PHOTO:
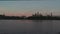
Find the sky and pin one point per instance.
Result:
(27, 8)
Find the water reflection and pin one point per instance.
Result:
(37, 26)
(50, 27)
(29, 27)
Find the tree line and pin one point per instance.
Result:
(36, 16)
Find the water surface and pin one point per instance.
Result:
(29, 26)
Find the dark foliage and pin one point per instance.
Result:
(33, 17)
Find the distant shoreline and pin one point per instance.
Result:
(36, 16)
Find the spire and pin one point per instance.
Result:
(37, 13)
(51, 13)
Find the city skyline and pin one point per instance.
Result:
(27, 8)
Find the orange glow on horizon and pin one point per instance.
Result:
(18, 14)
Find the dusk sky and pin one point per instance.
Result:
(18, 8)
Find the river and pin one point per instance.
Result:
(29, 26)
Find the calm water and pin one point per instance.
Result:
(29, 26)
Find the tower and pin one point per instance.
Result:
(51, 13)
(37, 13)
